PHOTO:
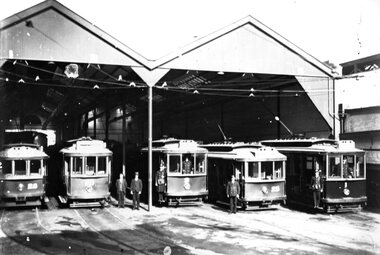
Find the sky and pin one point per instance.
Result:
(334, 30)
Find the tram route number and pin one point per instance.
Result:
(275, 189)
(32, 185)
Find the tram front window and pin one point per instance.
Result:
(5, 167)
(360, 167)
(90, 165)
(20, 167)
(35, 166)
(174, 163)
(334, 167)
(278, 170)
(102, 165)
(77, 165)
(200, 168)
(266, 170)
(253, 170)
(187, 164)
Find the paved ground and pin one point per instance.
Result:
(205, 229)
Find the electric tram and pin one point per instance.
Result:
(185, 166)
(86, 173)
(342, 166)
(22, 175)
(260, 171)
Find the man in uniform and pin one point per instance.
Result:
(187, 166)
(160, 182)
(233, 191)
(121, 188)
(136, 188)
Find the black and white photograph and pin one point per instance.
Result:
(209, 127)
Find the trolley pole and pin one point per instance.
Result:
(150, 127)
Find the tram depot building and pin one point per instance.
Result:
(61, 74)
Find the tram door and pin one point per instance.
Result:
(238, 172)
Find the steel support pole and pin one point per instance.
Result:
(123, 134)
(150, 128)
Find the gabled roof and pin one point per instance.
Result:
(179, 59)
(25, 20)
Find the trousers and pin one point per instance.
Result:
(136, 200)
(233, 204)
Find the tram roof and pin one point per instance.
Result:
(313, 145)
(176, 145)
(22, 151)
(243, 151)
(86, 146)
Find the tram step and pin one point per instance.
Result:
(85, 204)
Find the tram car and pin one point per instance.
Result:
(185, 166)
(260, 171)
(343, 172)
(86, 173)
(23, 171)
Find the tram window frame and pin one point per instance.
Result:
(337, 167)
(177, 167)
(281, 170)
(75, 165)
(191, 158)
(17, 167)
(6, 165)
(360, 167)
(32, 169)
(353, 166)
(200, 163)
(349, 173)
(101, 164)
(265, 177)
(87, 169)
(250, 167)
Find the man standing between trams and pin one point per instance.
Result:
(233, 191)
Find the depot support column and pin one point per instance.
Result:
(150, 128)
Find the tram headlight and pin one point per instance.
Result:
(346, 191)
(265, 190)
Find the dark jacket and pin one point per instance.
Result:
(233, 189)
(136, 185)
(123, 187)
(160, 181)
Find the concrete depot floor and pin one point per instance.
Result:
(205, 229)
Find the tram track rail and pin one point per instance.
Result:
(129, 236)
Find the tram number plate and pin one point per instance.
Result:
(275, 189)
(32, 185)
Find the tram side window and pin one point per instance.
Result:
(266, 170)
(77, 165)
(200, 168)
(20, 167)
(278, 170)
(253, 170)
(174, 163)
(334, 167)
(102, 165)
(187, 164)
(5, 167)
(35, 166)
(90, 165)
(360, 167)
